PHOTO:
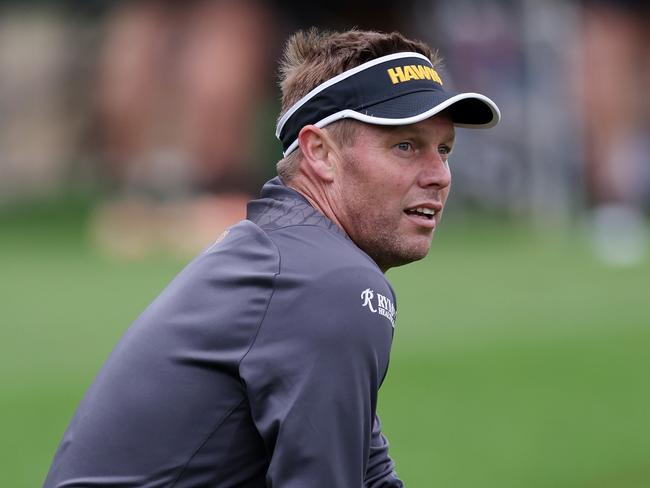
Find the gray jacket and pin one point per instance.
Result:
(257, 366)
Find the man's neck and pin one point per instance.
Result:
(316, 196)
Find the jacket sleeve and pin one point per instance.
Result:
(312, 377)
(381, 469)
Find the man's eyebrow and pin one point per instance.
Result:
(451, 137)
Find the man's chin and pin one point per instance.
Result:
(403, 256)
(419, 247)
(417, 255)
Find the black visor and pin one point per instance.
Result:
(397, 89)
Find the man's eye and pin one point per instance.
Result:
(404, 146)
(445, 150)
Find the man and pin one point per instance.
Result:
(259, 365)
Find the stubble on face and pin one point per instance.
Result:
(371, 226)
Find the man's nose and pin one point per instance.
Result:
(435, 172)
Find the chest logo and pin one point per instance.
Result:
(378, 303)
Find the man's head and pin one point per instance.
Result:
(312, 57)
(366, 128)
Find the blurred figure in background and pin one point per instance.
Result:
(37, 54)
(616, 108)
(178, 83)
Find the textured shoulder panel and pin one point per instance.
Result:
(283, 214)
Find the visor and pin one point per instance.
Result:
(397, 89)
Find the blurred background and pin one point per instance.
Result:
(132, 133)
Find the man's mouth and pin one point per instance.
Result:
(422, 212)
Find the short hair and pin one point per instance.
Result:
(313, 56)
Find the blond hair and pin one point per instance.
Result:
(314, 56)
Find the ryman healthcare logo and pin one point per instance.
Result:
(378, 303)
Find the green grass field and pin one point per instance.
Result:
(518, 361)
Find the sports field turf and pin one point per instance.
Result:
(518, 361)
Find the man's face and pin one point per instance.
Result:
(393, 184)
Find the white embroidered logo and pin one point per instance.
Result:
(382, 305)
(367, 296)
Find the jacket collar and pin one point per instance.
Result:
(282, 206)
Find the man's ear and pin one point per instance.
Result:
(319, 151)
